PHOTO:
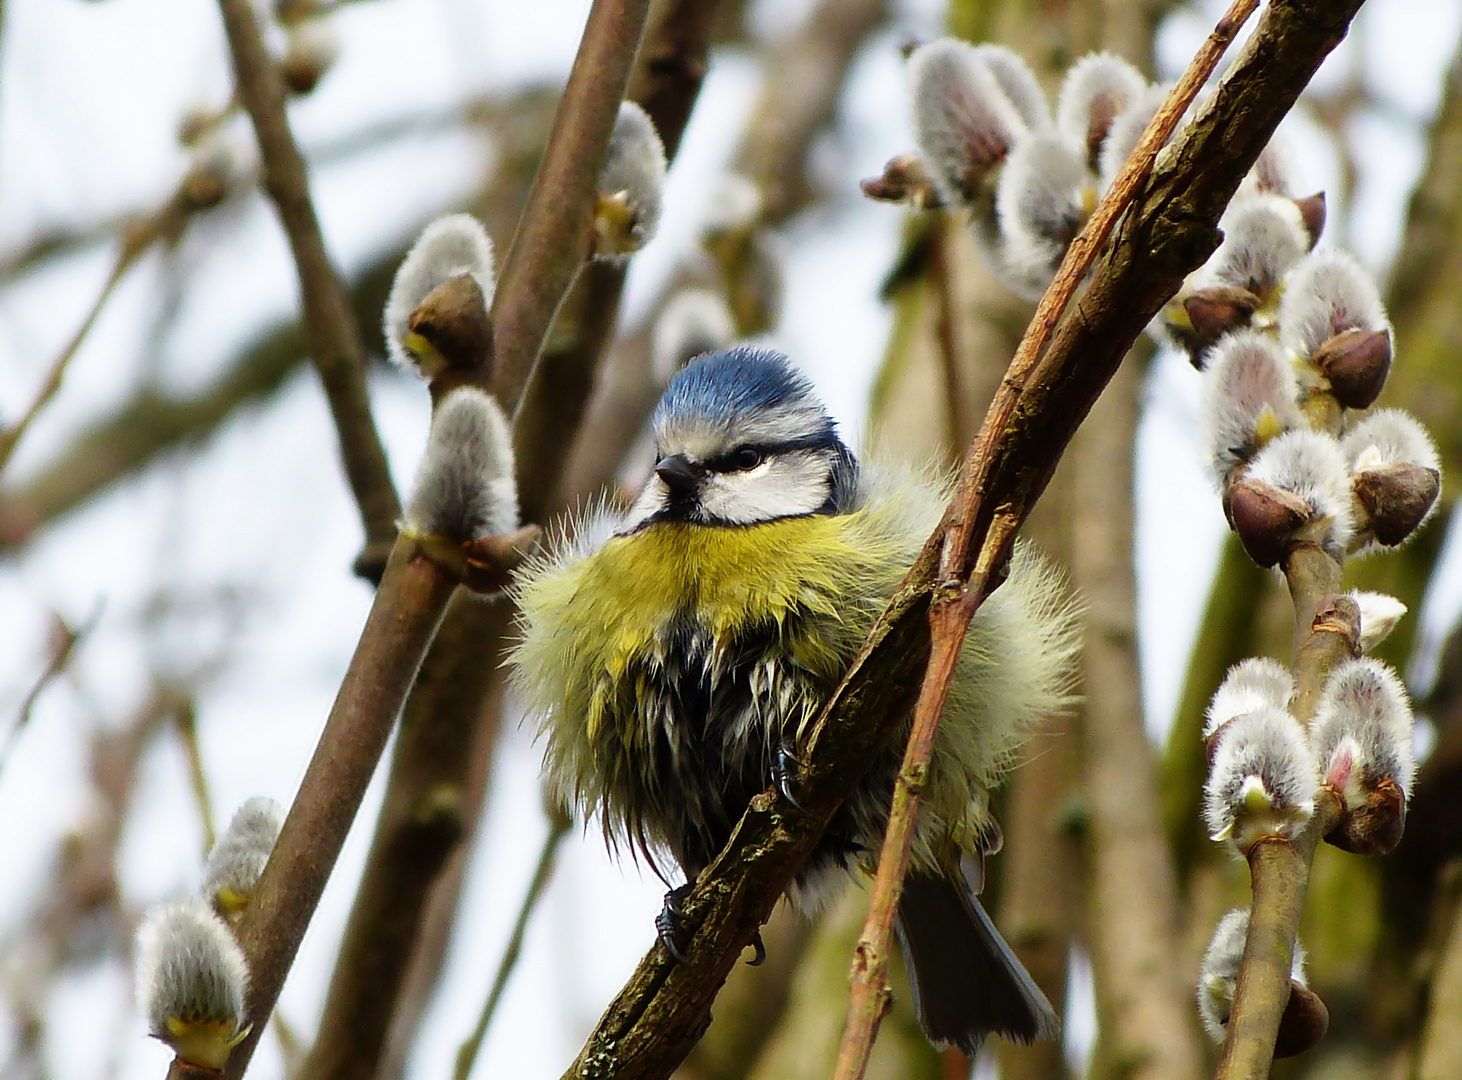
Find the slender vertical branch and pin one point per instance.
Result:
(965, 570)
(330, 330)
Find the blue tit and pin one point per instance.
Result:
(675, 654)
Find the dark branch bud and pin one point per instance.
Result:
(1397, 499)
(1355, 362)
(1266, 519)
(451, 328)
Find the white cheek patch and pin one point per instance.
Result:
(652, 500)
(786, 485)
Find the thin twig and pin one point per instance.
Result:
(185, 720)
(467, 1052)
(962, 584)
(64, 640)
(330, 329)
(1170, 231)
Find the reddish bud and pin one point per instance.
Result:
(1396, 498)
(1356, 363)
(1266, 518)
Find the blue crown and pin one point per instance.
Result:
(738, 383)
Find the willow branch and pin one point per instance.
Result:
(331, 333)
(1169, 231)
(965, 570)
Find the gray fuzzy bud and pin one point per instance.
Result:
(1044, 198)
(694, 321)
(449, 247)
(1098, 89)
(1255, 683)
(631, 186)
(964, 122)
(1219, 973)
(1362, 730)
(1389, 437)
(237, 860)
(465, 488)
(1328, 293)
(1017, 82)
(192, 981)
(1250, 397)
(1311, 466)
(1263, 780)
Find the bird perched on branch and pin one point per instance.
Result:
(675, 655)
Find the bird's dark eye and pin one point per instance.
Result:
(746, 458)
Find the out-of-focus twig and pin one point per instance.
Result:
(330, 328)
(64, 639)
(467, 1053)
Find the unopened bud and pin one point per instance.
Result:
(1250, 398)
(1355, 363)
(1255, 683)
(1263, 780)
(192, 981)
(964, 122)
(1097, 89)
(1044, 198)
(1305, 1017)
(312, 50)
(904, 180)
(237, 861)
(631, 186)
(1397, 476)
(451, 330)
(1327, 294)
(1362, 737)
(1263, 237)
(1312, 212)
(1266, 519)
(1379, 615)
(1206, 315)
(1017, 82)
(465, 488)
(1305, 464)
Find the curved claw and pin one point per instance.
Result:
(760, 948)
(667, 923)
(784, 773)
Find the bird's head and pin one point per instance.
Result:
(741, 438)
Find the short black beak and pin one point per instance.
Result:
(679, 475)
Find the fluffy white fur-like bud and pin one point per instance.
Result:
(1098, 88)
(1126, 129)
(465, 488)
(964, 122)
(1379, 615)
(1255, 683)
(631, 185)
(694, 321)
(1264, 236)
(1328, 293)
(1017, 82)
(1310, 465)
(1362, 730)
(1219, 972)
(1263, 780)
(1044, 197)
(1250, 398)
(191, 982)
(1389, 437)
(449, 247)
(237, 860)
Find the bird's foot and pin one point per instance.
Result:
(667, 923)
(785, 766)
(760, 956)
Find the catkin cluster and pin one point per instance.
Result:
(192, 978)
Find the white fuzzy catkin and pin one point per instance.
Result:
(1310, 464)
(1326, 293)
(633, 177)
(1219, 972)
(1250, 396)
(465, 487)
(694, 321)
(1389, 437)
(1255, 683)
(237, 860)
(192, 981)
(964, 122)
(1361, 731)
(449, 247)
(1264, 236)
(1097, 89)
(1017, 82)
(1263, 780)
(1126, 130)
(1044, 196)
(1379, 615)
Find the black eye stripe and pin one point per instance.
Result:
(728, 462)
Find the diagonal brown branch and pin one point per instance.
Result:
(331, 333)
(1169, 231)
